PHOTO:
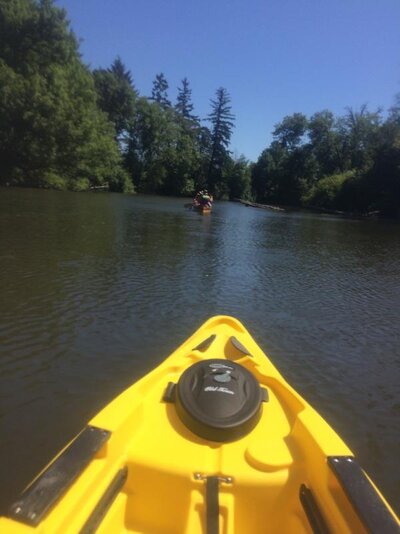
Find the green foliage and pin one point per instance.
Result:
(325, 193)
(349, 163)
(116, 96)
(239, 179)
(159, 92)
(150, 137)
(153, 156)
(51, 180)
(65, 127)
(289, 133)
(184, 106)
(52, 133)
(382, 181)
(80, 184)
(120, 181)
(222, 122)
(327, 145)
(168, 152)
(360, 130)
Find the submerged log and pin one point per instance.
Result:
(99, 187)
(256, 205)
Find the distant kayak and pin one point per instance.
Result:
(203, 201)
(199, 208)
(203, 209)
(212, 441)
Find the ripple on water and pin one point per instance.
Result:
(87, 310)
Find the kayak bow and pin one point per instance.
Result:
(214, 441)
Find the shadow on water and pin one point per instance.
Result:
(97, 289)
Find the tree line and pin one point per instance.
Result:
(65, 126)
(349, 163)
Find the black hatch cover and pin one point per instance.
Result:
(219, 400)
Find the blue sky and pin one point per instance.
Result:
(275, 57)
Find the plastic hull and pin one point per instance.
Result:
(150, 473)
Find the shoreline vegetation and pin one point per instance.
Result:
(67, 127)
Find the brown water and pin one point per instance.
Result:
(96, 289)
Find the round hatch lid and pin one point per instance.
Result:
(218, 400)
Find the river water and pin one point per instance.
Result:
(96, 289)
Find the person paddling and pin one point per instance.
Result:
(206, 199)
(197, 198)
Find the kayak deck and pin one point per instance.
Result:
(151, 474)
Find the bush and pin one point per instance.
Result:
(121, 182)
(328, 192)
(80, 184)
(51, 180)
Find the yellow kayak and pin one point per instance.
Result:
(202, 208)
(212, 441)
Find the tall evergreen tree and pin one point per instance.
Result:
(159, 92)
(222, 121)
(184, 105)
(119, 70)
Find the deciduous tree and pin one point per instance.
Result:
(116, 95)
(52, 133)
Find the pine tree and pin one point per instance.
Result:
(120, 72)
(222, 121)
(159, 92)
(184, 106)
